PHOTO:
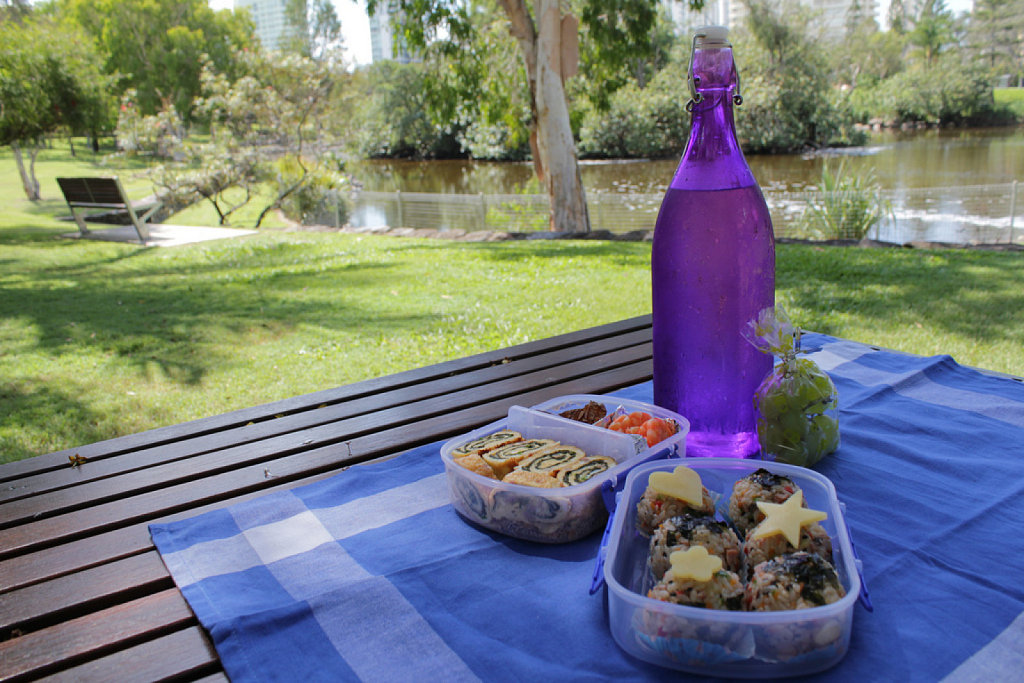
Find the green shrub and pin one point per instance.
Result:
(160, 135)
(322, 197)
(640, 122)
(947, 92)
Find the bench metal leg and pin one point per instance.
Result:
(80, 221)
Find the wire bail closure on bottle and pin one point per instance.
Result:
(693, 81)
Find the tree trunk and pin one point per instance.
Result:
(28, 176)
(553, 146)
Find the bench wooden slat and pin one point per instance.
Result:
(102, 193)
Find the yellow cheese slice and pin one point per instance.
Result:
(786, 518)
(694, 563)
(682, 482)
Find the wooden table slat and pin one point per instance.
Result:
(111, 546)
(180, 656)
(178, 470)
(43, 604)
(125, 510)
(55, 648)
(83, 593)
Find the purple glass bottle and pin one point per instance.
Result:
(713, 269)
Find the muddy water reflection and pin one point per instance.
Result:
(910, 167)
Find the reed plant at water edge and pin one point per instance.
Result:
(845, 205)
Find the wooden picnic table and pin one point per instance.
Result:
(83, 592)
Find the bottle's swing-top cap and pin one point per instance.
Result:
(711, 36)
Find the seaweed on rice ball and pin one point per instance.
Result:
(813, 539)
(760, 485)
(794, 581)
(680, 533)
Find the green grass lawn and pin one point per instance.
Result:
(1012, 98)
(100, 339)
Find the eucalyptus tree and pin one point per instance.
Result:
(547, 34)
(315, 28)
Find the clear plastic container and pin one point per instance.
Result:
(717, 642)
(557, 515)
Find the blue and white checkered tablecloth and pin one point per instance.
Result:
(372, 575)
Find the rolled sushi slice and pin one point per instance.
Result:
(548, 460)
(537, 479)
(583, 470)
(813, 539)
(681, 533)
(794, 581)
(486, 443)
(760, 485)
(504, 459)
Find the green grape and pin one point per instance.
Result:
(793, 424)
(828, 427)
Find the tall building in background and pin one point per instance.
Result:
(269, 17)
(383, 44)
(833, 16)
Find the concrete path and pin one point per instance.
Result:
(160, 234)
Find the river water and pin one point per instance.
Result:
(950, 185)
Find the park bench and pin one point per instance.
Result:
(106, 193)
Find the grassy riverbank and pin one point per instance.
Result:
(99, 340)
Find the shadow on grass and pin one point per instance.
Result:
(179, 317)
(26, 408)
(973, 294)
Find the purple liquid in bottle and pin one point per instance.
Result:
(713, 270)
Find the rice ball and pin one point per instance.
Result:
(654, 508)
(723, 591)
(794, 581)
(680, 533)
(813, 539)
(760, 485)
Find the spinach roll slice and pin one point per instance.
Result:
(486, 443)
(582, 470)
(549, 460)
(504, 459)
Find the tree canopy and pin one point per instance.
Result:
(49, 80)
(156, 47)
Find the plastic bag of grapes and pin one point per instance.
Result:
(797, 404)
